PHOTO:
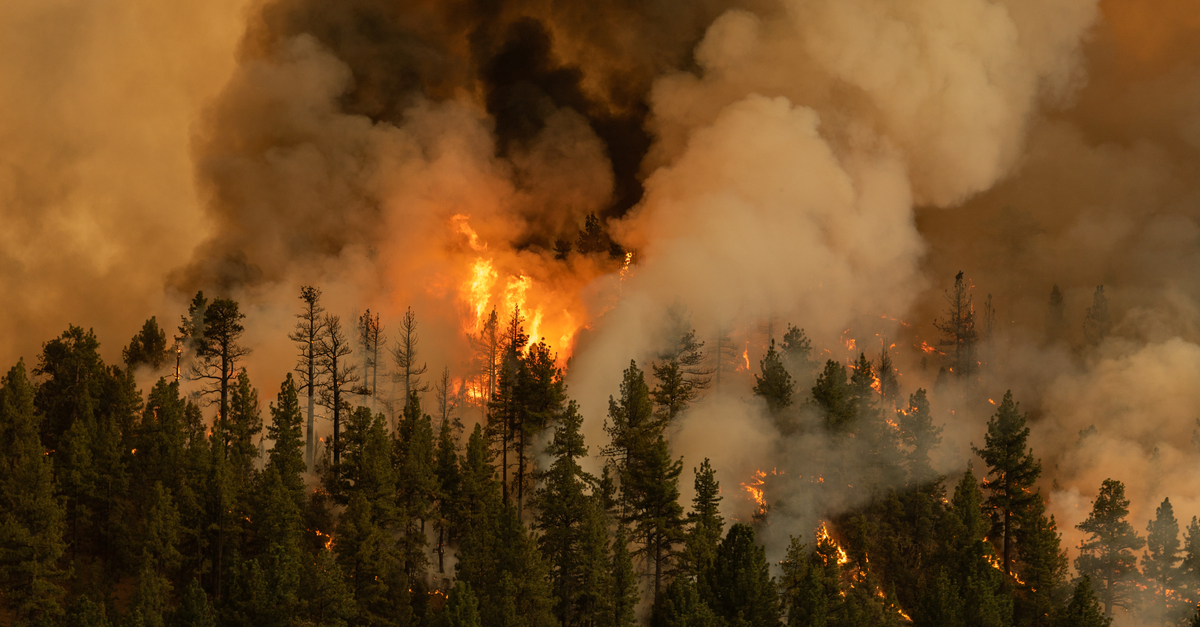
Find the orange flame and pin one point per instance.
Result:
(478, 289)
(926, 348)
(823, 536)
(625, 265)
(462, 226)
(754, 488)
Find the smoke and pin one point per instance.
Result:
(826, 163)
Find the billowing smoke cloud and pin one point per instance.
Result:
(827, 163)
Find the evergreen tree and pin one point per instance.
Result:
(833, 397)
(725, 357)
(505, 408)
(540, 397)
(1012, 471)
(1160, 562)
(449, 493)
(958, 327)
(242, 428)
(1083, 610)
(287, 455)
(705, 524)
(85, 613)
(1097, 324)
(797, 356)
(219, 350)
(591, 239)
(148, 605)
(325, 599)
(309, 323)
(1042, 564)
(417, 492)
(1107, 555)
(563, 507)
(681, 373)
(1056, 318)
(148, 347)
(681, 606)
(654, 511)
(31, 518)
(194, 609)
(742, 590)
(920, 436)
(775, 385)
(462, 609)
(1189, 565)
(623, 594)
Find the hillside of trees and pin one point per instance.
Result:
(121, 506)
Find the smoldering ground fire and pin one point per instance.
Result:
(754, 164)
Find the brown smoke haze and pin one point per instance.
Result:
(827, 163)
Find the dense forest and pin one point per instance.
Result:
(125, 507)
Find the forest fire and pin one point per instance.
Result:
(823, 536)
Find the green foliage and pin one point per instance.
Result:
(1160, 562)
(31, 518)
(194, 609)
(286, 456)
(833, 397)
(681, 606)
(1107, 555)
(148, 347)
(920, 436)
(705, 524)
(775, 384)
(1083, 610)
(740, 587)
(1012, 471)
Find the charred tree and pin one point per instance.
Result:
(958, 327)
(306, 334)
(370, 336)
(337, 374)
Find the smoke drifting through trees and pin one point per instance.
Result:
(332, 153)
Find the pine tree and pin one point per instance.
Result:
(31, 518)
(797, 356)
(540, 396)
(562, 506)
(681, 606)
(86, 613)
(1097, 324)
(219, 350)
(655, 513)
(148, 347)
(1042, 564)
(623, 589)
(833, 397)
(591, 239)
(1160, 562)
(743, 592)
(462, 608)
(889, 387)
(242, 428)
(278, 527)
(1107, 554)
(336, 374)
(417, 492)
(325, 599)
(1056, 319)
(919, 435)
(1012, 471)
(309, 323)
(958, 327)
(194, 609)
(287, 455)
(705, 524)
(775, 385)
(505, 408)
(1083, 610)
(681, 373)
(1189, 565)
(449, 492)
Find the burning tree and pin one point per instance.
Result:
(959, 328)
(404, 355)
